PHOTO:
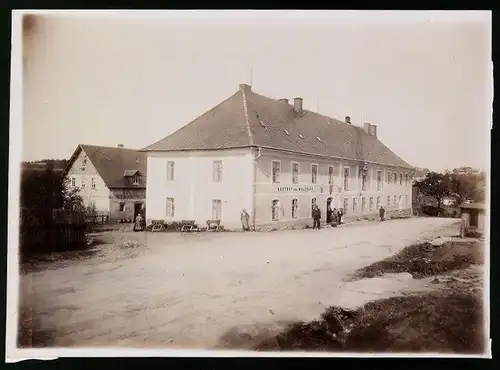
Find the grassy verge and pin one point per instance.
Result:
(445, 323)
(425, 259)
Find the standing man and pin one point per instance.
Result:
(340, 214)
(381, 213)
(316, 214)
(245, 220)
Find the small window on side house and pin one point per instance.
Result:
(73, 181)
(122, 206)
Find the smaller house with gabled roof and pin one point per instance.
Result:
(113, 179)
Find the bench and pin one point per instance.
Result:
(213, 225)
(158, 226)
(189, 226)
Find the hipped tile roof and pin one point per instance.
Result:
(248, 119)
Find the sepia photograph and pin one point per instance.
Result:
(249, 183)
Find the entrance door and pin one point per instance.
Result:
(473, 218)
(329, 212)
(137, 209)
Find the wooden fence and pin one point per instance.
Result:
(61, 230)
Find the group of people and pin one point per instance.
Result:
(336, 216)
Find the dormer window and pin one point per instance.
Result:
(136, 179)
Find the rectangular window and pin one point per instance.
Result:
(395, 201)
(371, 204)
(83, 183)
(346, 178)
(406, 179)
(346, 205)
(73, 182)
(389, 177)
(93, 183)
(136, 180)
(122, 207)
(217, 172)
(379, 180)
(295, 173)
(354, 204)
(170, 207)
(330, 175)
(276, 167)
(400, 200)
(378, 202)
(363, 204)
(275, 210)
(170, 170)
(295, 206)
(400, 179)
(406, 200)
(314, 173)
(388, 201)
(313, 203)
(216, 209)
(363, 180)
(395, 178)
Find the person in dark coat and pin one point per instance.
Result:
(340, 214)
(335, 217)
(381, 213)
(316, 214)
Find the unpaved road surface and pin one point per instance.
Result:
(191, 290)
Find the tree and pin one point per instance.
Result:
(435, 185)
(468, 187)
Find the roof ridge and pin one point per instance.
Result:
(245, 113)
(108, 147)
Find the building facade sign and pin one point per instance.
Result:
(294, 188)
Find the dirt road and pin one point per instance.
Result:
(190, 290)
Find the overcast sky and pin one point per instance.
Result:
(425, 80)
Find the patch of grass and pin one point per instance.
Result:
(425, 323)
(421, 260)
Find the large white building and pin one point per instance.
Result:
(274, 159)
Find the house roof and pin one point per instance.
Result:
(480, 206)
(112, 163)
(248, 119)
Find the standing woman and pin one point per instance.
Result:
(245, 220)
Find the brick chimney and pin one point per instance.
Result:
(284, 100)
(297, 105)
(373, 130)
(348, 119)
(366, 127)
